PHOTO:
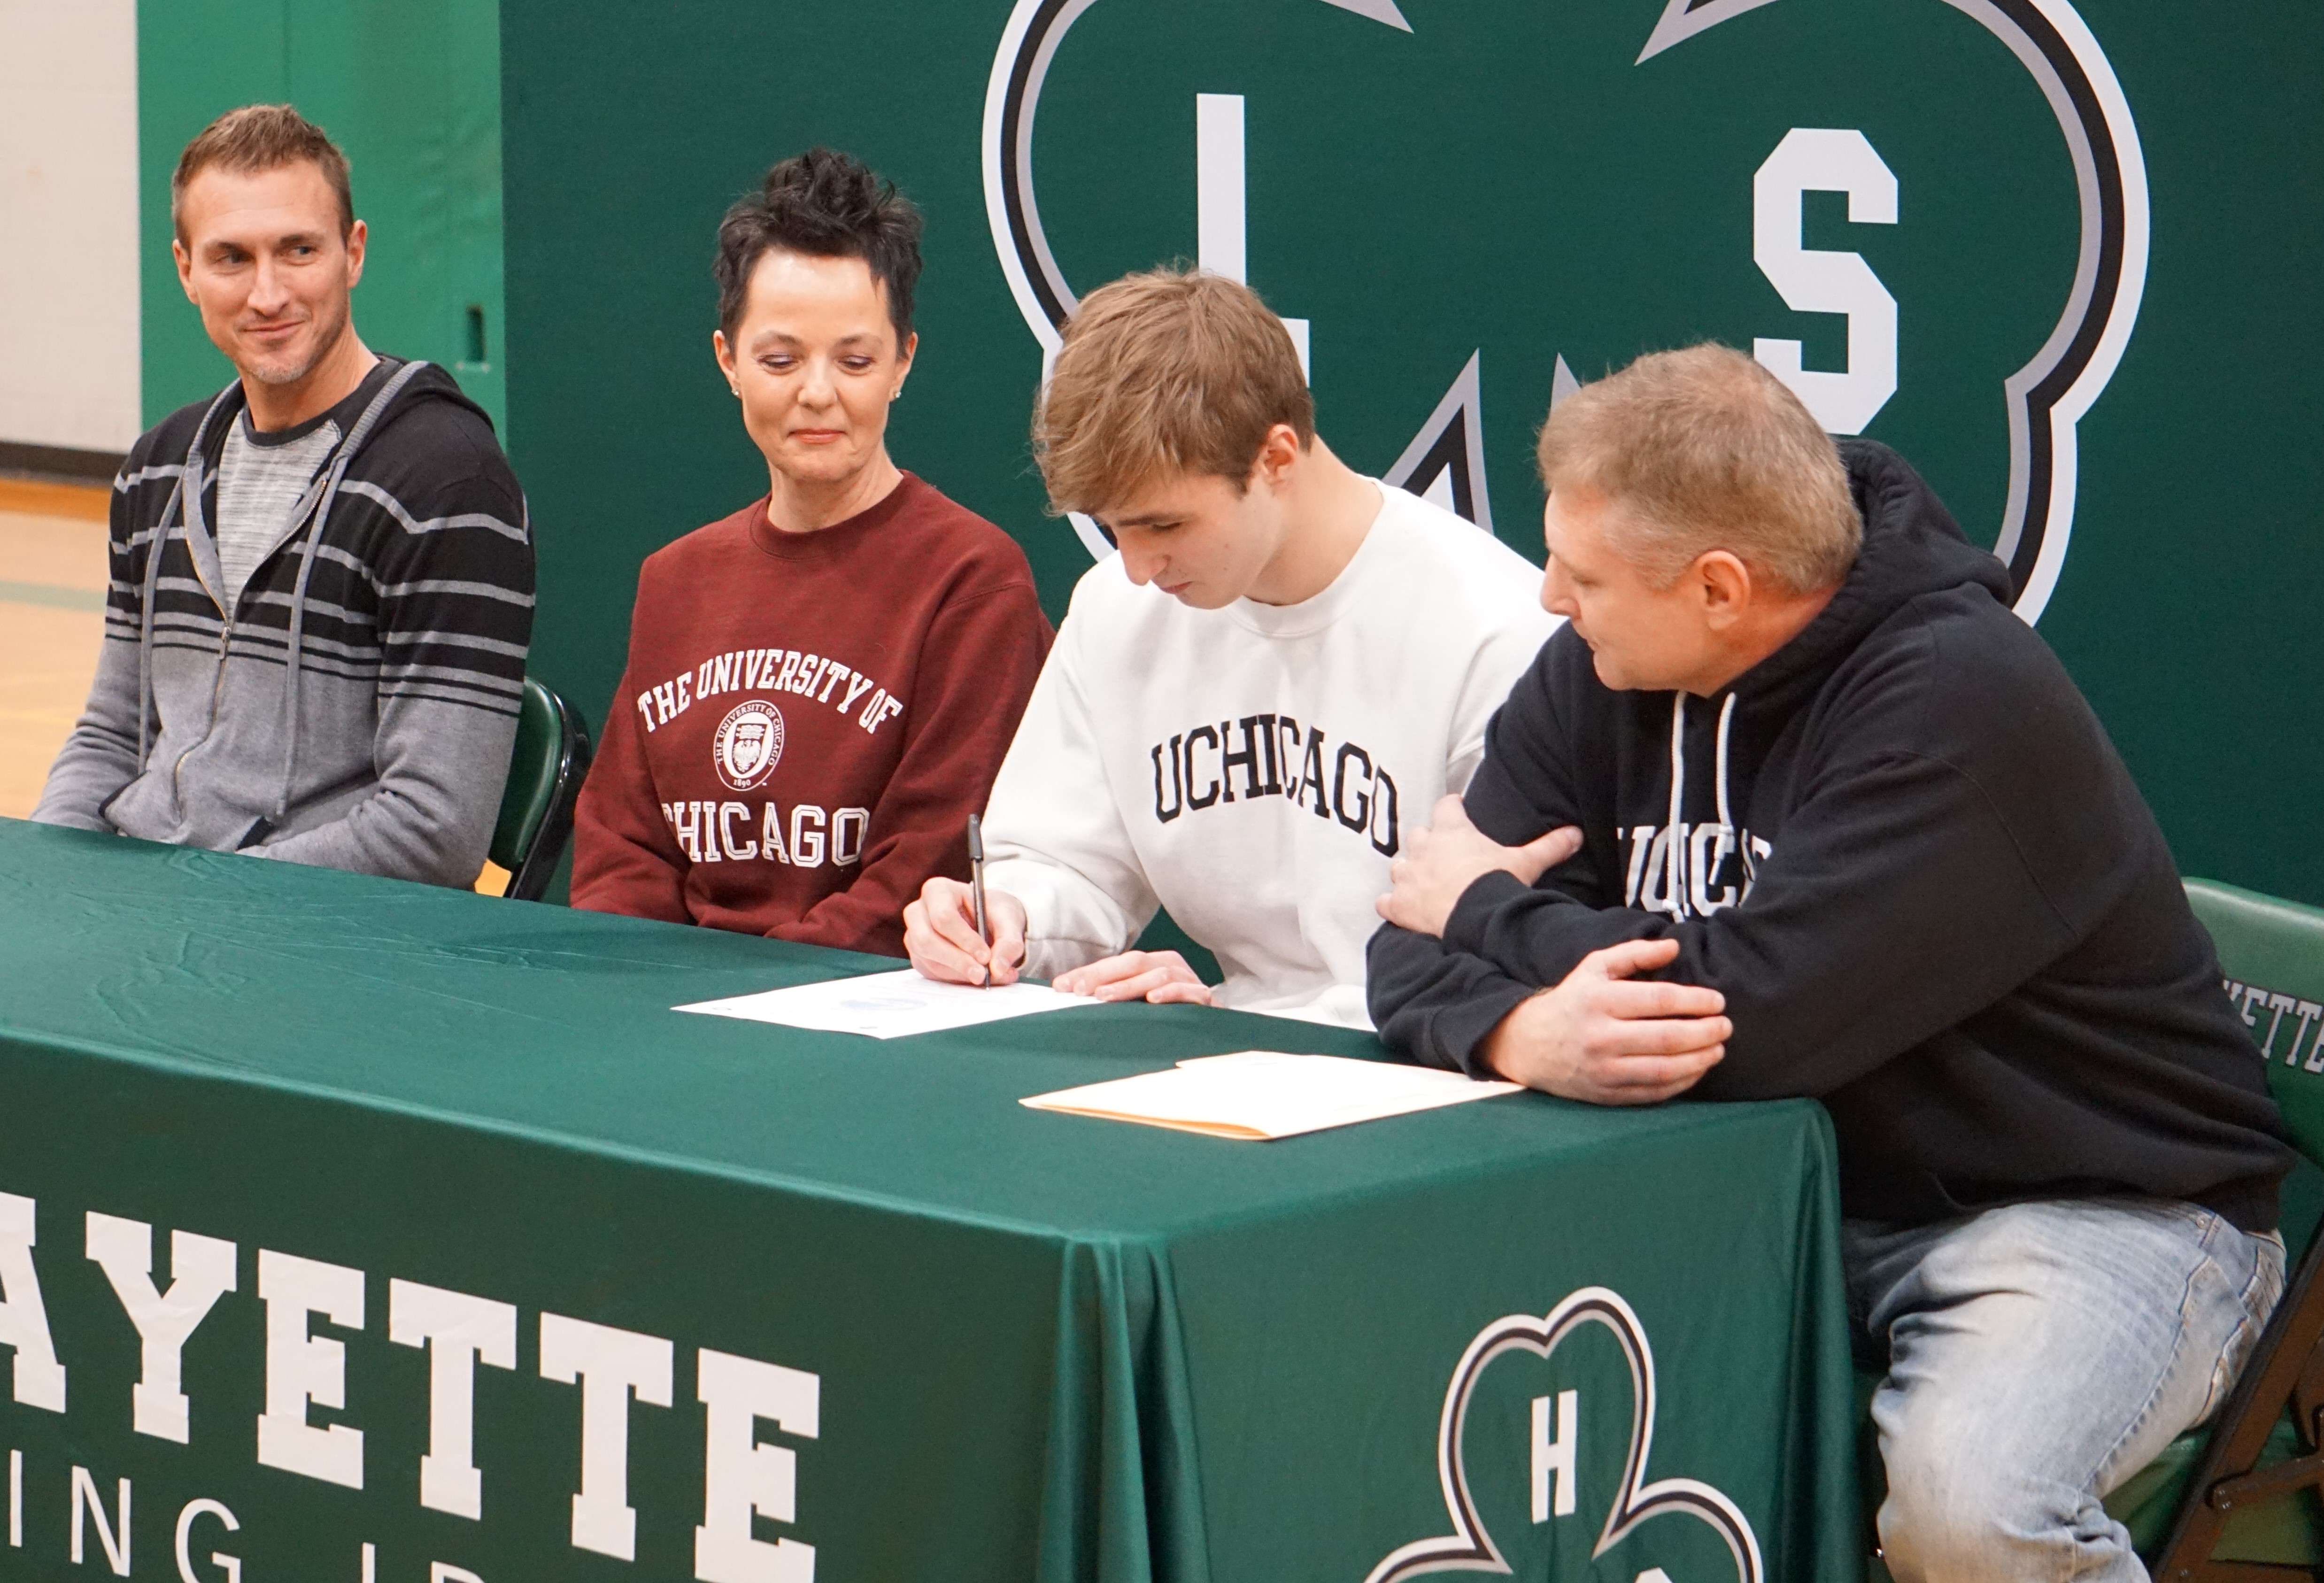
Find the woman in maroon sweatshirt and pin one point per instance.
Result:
(820, 687)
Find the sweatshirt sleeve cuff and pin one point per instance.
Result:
(1461, 1031)
(1465, 929)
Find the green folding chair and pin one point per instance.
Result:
(2237, 1500)
(546, 768)
(2243, 1498)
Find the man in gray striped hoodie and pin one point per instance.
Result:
(322, 578)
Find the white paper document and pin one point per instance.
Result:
(1267, 1094)
(889, 1006)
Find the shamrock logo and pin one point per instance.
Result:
(1469, 1548)
(1597, 320)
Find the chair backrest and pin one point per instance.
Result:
(2273, 953)
(545, 769)
(2272, 956)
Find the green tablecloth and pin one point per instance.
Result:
(1008, 1344)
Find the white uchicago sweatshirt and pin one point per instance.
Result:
(1253, 769)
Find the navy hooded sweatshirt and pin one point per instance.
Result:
(1904, 850)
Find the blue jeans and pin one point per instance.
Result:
(2039, 1354)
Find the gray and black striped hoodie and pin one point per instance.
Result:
(356, 708)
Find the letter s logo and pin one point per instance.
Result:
(1821, 159)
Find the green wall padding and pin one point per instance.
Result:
(411, 89)
(1510, 178)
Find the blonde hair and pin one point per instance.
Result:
(1703, 449)
(1171, 371)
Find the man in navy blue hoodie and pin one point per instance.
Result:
(1796, 805)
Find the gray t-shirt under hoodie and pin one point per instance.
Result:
(260, 480)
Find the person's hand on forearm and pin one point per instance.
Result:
(1602, 1036)
(940, 934)
(1441, 861)
(1161, 977)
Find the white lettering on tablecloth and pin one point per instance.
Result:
(314, 1312)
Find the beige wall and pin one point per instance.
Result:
(69, 332)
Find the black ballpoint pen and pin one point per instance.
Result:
(976, 886)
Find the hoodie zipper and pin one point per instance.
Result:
(217, 677)
(218, 683)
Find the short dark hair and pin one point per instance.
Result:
(824, 205)
(258, 138)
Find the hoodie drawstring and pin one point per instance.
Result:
(1728, 831)
(1674, 854)
(1726, 718)
(348, 449)
(1675, 857)
(184, 504)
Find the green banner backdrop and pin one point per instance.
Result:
(2053, 252)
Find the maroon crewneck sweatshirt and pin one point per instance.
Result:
(807, 721)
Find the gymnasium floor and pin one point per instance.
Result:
(51, 621)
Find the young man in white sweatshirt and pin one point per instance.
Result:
(1287, 663)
